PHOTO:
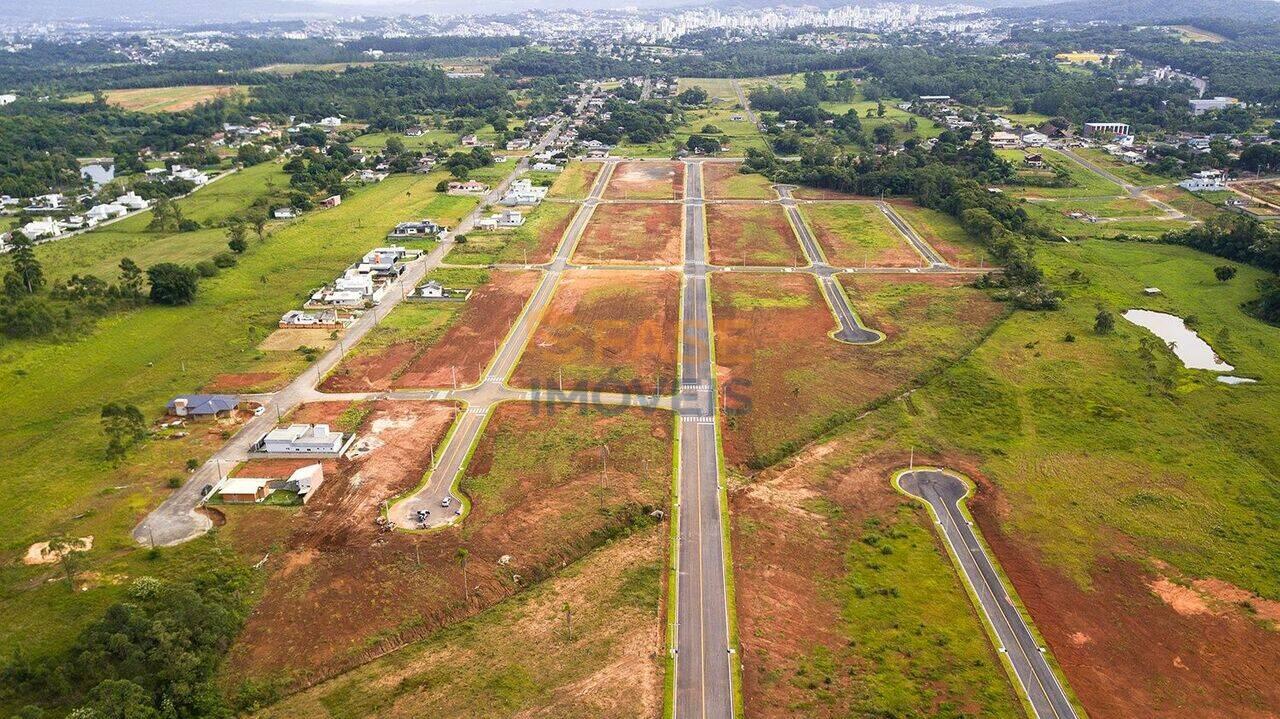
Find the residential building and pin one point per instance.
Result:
(330, 122)
(331, 201)
(432, 289)
(470, 187)
(423, 228)
(470, 141)
(202, 406)
(1033, 159)
(519, 143)
(1205, 181)
(284, 213)
(301, 439)
(101, 213)
(1005, 139)
(301, 319)
(1200, 106)
(40, 229)
(244, 490)
(132, 201)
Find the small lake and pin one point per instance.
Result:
(1194, 352)
(1229, 379)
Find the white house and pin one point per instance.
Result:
(132, 201)
(1205, 181)
(39, 229)
(191, 174)
(331, 121)
(546, 167)
(431, 289)
(284, 213)
(1004, 139)
(524, 192)
(1035, 139)
(510, 218)
(301, 439)
(1200, 106)
(100, 213)
(519, 143)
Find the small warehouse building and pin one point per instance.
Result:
(302, 439)
(243, 490)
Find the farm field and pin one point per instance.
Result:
(646, 180)
(423, 345)
(847, 603)
(59, 477)
(857, 235)
(795, 394)
(533, 242)
(574, 181)
(611, 330)
(165, 99)
(751, 235)
(723, 182)
(632, 233)
(943, 232)
(1128, 499)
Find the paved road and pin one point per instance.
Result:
(176, 519)
(926, 250)
(704, 658)
(1132, 190)
(943, 492)
(481, 399)
(746, 106)
(851, 329)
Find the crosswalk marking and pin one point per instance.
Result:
(698, 419)
(477, 410)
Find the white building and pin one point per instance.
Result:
(132, 201)
(302, 439)
(432, 289)
(524, 192)
(331, 122)
(1200, 106)
(39, 229)
(1102, 129)
(1004, 139)
(100, 213)
(7, 99)
(1205, 181)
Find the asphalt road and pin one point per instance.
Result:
(943, 493)
(851, 329)
(481, 399)
(176, 520)
(703, 661)
(926, 250)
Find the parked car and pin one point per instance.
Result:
(444, 502)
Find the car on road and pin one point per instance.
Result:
(444, 502)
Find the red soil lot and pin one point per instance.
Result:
(1125, 651)
(342, 592)
(752, 235)
(613, 330)
(789, 378)
(646, 180)
(644, 234)
(467, 344)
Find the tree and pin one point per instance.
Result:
(883, 134)
(237, 245)
(172, 284)
(1224, 272)
(395, 146)
(461, 557)
(693, 96)
(27, 272)
(119, 699)
(130, 277)
(62, 549)
(27, 317)
(124, 426)
(1104, 322)
(259, 221)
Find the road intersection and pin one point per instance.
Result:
(703, 648)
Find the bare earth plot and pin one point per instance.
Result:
(612, 330)
(540, 512)
(790, 381)
(724, 182)
(531, 243)
(636, 180)
(847, 605)
(425, 344)
(858, 235)
(641, 234)
(751, 235)
(166, 99)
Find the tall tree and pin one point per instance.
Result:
(29, 275)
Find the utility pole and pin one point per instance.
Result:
(912, 470)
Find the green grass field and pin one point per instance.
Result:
(716, 87)
(1085, 442)
(736, 136)
(58, 478)
(855, 234)
(1120, 168)
(1084, 183)
(893, 116)
(378, 140)
(574, 181)
(99, 252)
(534, 241)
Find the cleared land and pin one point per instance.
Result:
(847, 604)
(537, 499)
(943, 232)
(610, 330)
(427, 344)
(58, 476)
(1081, 182)
(857, 235)
(723, 182)
(646, 180)
(1132, 173)
(164, 99)
(644, 234)
(574, 181)
(533, 242)
(1129, 499)
(1202, 206)
(791, 382)
(751, 235)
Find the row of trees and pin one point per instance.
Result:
(1243, 239)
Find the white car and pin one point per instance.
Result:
(444, 502)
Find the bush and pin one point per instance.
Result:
(172, 284)
(224, 260)
(206, 268)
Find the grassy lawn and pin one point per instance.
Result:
(99, 252)
(59, 480)
(736, 135)
(1132, 173)
(1051, 214)
(574, 181)
(1083, 182)
(944, 233)
(857, 234)
(893, 116)
(164, 99)
(724, 182)
(718, 88)
(534, 241)
(378, 140)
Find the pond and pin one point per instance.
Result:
(1230, 379)
(1194, 352)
